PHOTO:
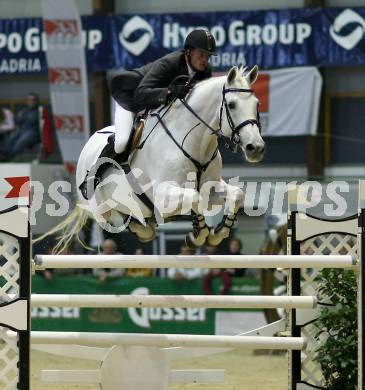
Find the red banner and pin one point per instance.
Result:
(67, 76)
(20, 186)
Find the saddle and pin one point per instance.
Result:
(90, 183)
(136, 134)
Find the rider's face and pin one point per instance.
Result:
(32, 101)
(199, 59)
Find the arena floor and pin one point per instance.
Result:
(244, 371)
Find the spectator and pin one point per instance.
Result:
(211, 250)
(185, 273)
(139, 272)
(6, 120)
(27, 133)
(216, 273)
(109, 248)
(235, 248)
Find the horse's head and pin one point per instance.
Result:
(239, 115)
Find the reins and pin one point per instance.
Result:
(232, 142)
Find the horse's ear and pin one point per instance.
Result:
(232, 74)
(252, 75)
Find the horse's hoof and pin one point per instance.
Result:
(195, 242)
(215, 238)
(144, 233)
(189, 242)
(144, 238)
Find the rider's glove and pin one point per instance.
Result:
(178, 91)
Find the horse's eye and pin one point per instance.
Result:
(231, 105)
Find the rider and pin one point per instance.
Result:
(151, 86)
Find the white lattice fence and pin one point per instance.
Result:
(9, 290)
(335, 244)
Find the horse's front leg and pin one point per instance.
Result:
(200, 232)
(171, 200)
(232, 200)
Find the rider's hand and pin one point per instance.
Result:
(178, 91)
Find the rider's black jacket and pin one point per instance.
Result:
(146, 87)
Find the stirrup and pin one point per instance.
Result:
(88, 186)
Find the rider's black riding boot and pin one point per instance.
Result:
(91, 181)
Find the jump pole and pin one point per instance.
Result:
(42, 262)
(94, 339)
(173, 301)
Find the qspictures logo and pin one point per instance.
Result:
(348, 29)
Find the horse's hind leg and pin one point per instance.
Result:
(233, 200)
(116, 222)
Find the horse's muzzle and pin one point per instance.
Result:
(255, 151)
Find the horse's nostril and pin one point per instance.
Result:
(261, 149)
(250, 147)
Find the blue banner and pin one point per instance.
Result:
(271, 39)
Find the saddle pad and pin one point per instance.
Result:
(91, 152)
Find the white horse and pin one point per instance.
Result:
(178, 163)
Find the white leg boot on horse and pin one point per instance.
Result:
(123, 120)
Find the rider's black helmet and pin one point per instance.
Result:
(200, 39)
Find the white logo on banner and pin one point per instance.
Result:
(345, 18)
(139, 46)
(142, 316)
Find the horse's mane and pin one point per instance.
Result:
(240, 77)
(219, 79)
(208, 81)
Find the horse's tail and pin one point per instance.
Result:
(68, 229)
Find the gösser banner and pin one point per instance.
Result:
(271, 39)
(153, 320)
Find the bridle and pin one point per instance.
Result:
(231, 142)
(234, 140)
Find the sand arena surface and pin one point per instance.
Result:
(244, 371)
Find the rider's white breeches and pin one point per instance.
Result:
(123, 121)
